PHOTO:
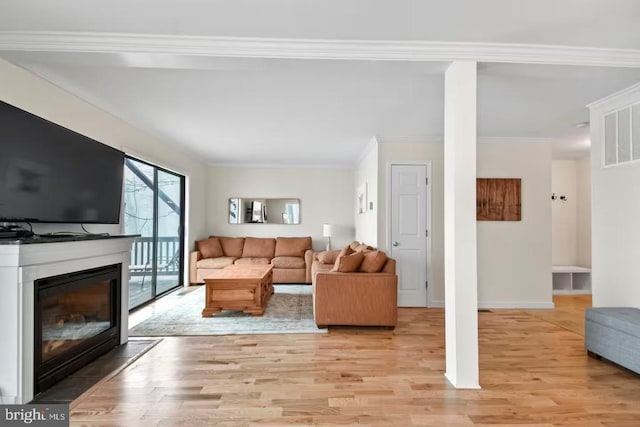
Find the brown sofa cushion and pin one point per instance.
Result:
(220, 262)
(348, 263)
(252, 261)
(373, 262)
(328, 257)
(210, 248)
(292, 246)
(258, 247)
(232, 246)
(288, 262)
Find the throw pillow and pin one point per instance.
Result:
(210, 248)
(354, 244)
(348, 263)
(344, 252)
(327, 257)
(373, 262)
(363, 248)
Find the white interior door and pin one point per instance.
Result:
(408, 219)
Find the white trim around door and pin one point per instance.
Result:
(427, 210)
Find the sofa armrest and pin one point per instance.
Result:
(389, 266)
(194, 257)
(308, 260)
(355, 299)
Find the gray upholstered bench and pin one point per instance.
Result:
(614, 334)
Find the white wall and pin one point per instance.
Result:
(615, 215)
(33, 94)
(514, 258)
(563, 213)
(571, 229)
(583, 212)
(326, 196)
(367, 173)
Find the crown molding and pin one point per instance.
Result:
(337, 166)
(371, 145)
(514, 140)
(248, 47)
(439, 139)
(615, 98)
(410, 139)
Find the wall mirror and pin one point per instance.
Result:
(264, 211)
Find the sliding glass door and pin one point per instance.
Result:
(169, 247)
(154, 200)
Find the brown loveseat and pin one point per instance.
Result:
(291, 257)
(354, 298)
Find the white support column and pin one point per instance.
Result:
(460, 265)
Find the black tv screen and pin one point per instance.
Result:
(52, 174)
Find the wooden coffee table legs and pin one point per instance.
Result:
(245, 294)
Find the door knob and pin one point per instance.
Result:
(396, 244)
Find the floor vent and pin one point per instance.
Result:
(484, 310)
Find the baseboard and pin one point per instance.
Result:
(572, 292)
(462, 386)
(503, 304)
(509, 304)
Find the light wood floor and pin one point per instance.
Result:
(568, 312)
(534, 371)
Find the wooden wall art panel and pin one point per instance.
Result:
(498, 199)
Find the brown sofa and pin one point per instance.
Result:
(291, 257)
(357, 298)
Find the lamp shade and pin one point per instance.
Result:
(327, 230)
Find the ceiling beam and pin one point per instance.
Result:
(66, 42)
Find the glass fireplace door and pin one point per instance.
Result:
(154, 200)
(76, 319)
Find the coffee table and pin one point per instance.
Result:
(239, 287)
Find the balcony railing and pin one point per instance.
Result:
(168, 256)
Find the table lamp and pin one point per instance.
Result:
(327, 231)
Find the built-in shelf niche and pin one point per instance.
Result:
(571, 279)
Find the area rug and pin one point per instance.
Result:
(288, 311)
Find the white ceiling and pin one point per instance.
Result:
(594, 23)
(320, 111)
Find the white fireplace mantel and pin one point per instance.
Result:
(21, 264)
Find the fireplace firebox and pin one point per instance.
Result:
(77, 319)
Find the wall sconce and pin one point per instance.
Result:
(327, 231)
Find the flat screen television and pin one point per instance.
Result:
(49, 173)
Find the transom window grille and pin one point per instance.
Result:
(622, 136)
